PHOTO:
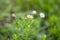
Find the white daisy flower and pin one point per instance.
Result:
(34, 12)
(29, 16)
(42, 15)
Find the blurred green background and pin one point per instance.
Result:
(29, 19)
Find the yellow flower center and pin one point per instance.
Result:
(30, 16)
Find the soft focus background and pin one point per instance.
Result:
(29, 19)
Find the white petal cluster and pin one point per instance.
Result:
(42, 15)
(34, 12)
(30, 16)
(13, 15)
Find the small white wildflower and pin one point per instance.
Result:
(42, 15)
(13, 15)
(34, 12)
(29, 16)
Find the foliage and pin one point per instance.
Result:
(30, 28)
